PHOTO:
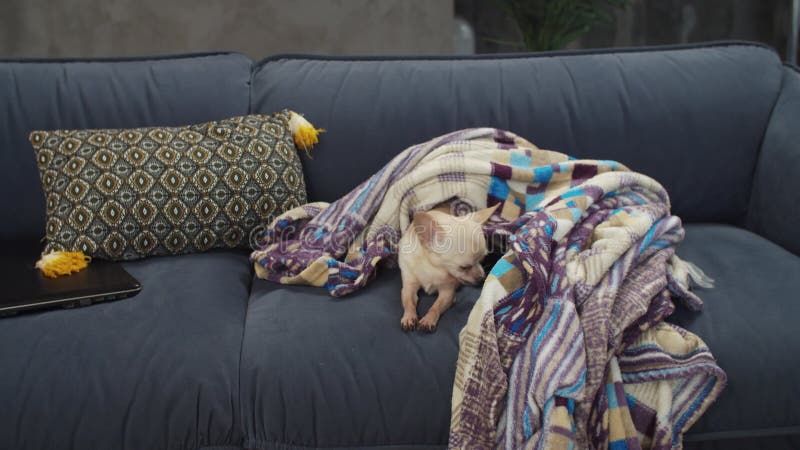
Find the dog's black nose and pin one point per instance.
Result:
(491, 259)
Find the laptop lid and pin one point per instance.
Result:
(25, 288)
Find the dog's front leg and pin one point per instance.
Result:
(447, 295)
(410, 298)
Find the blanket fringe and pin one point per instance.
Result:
(698, 277)
(687, 274)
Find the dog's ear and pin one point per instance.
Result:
(426, 227)
(483, 215)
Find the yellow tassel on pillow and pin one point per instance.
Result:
(305, 135)
(54, 264)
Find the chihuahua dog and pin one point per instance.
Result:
(438, 253)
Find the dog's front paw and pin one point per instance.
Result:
(409, 322)
(428, 323)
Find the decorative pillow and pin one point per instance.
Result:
(127, 194)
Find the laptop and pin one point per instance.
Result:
(24, 288)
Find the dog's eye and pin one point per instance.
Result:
(467, 267)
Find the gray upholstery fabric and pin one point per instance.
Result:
(776, 190)
(156, 371)
(320, 372)
(53, 94)
(673, 115)
(749, 324)
(324, 372)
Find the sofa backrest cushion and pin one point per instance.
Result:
(773, 209)
(120, 93)
(691, 118)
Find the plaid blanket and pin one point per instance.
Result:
(566, 346)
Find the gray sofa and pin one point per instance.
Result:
(209, 357)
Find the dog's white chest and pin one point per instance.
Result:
(429, 277)
(431, 282)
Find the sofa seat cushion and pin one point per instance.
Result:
(324, 372)
(155, 371)
(750, 323)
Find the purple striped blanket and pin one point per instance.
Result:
(567, 345)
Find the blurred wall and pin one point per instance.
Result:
(648, 22)
(48, 28)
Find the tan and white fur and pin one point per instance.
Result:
(437, 253)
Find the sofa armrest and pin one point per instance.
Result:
(774, 210)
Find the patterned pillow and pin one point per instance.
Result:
(127, 194)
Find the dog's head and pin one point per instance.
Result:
(455, 244)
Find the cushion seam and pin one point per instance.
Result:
(259, 443)
(689, 437)
(754, 173)
(251, 272)
(741, 434)
(122, 59)
(513, 56)
(220, 447)
(250, 91)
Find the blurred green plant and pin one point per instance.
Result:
(553, 24)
